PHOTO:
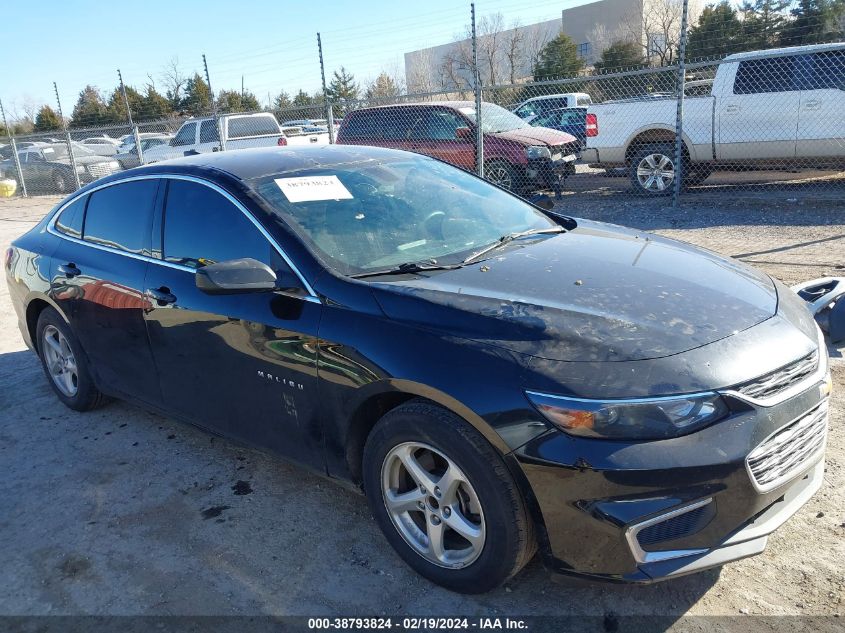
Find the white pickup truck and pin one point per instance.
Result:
(239, 131)
(783, 107)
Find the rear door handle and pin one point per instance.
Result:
(69, 270)
(732, 109)
(812, 105)
(162, 296)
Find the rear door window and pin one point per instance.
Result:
(208, 132)
(70, 219)
(771, 74)
(119, 216)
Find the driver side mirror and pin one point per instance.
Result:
(463, 134)
(236, 276)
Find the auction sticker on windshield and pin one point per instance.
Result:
(312, 188)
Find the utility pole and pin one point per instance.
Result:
(679, 114)
(67, 137)
(14, 151)
(214, 106)
(329, 109)
(479, 132)
(129, 116)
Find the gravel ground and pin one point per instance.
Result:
(124, 512)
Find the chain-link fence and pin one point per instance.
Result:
(757, 121)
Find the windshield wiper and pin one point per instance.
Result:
(406, 267)
(510, 237)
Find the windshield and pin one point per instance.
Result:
(495, 119)
(375, 215)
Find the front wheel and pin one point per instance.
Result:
(60, 182)
(445, 500)
(502, 174)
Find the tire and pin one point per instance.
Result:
(485, 503)
(501, 173)
(73, 385)
(652, 170)
(60, 183)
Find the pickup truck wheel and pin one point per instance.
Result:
(653, 170)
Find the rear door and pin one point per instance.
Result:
(243, 365)
(757, 112)
(821, 116)
(97, 278)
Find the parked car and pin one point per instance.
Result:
(536, 106)
(570, 120)
(778, 107)
(496, 379)
(49, 166)
(101, 145)
(128, 154)
(517, 156)
(197, 136)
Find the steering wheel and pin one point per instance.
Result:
(433, 224)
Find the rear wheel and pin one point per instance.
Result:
(445, 500)
(60, 182)
(653, 170)
(65, 363)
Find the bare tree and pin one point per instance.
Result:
(174, 80)
(421, 73)
(658, 29)
(514, 45)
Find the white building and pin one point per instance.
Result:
(508, 55)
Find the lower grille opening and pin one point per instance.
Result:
(677, 527)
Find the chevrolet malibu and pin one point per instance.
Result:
(497, 379)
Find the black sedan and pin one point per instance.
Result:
(497, 379)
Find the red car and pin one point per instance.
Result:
(517, 156)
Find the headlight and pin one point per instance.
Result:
(538, 151)
(640, 419)
(114, 164)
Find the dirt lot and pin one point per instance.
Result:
(124, 512)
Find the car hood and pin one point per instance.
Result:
(596, 293)
(536, 136)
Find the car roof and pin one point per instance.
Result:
(789, 50)
(556, 96)
(417, 104)
(246, 164)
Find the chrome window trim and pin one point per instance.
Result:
(811, 380)
(51, 228)
(618, 401)
(642, 556)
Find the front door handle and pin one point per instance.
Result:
(732, 109)
(812, 105)
(69, 270)
(162, 296)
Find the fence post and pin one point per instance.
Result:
(68, 139)
(479, 132)
(129, 116)
(214, 107)
(14, 151)
(679, 113)
(329, 106)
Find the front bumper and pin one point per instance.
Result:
(693, 497)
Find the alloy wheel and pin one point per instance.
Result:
(60, 361)
(655, 172)
(433, 505)
(499, 175)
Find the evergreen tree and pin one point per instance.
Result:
(249, 102)
(621, 56)
(814, 22)
(719, 32)
(154, 105)
(302, 98)
(90, 109)
(558, 59)
(116, 107)
(342, 86)
(47, 120)
(282, 101)
(197, 99)
(383, 87)
(763, 22)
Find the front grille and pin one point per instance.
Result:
(781, 379)
(676, 527)
(783, 454)
(98, 170)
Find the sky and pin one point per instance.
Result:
(271, 44)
